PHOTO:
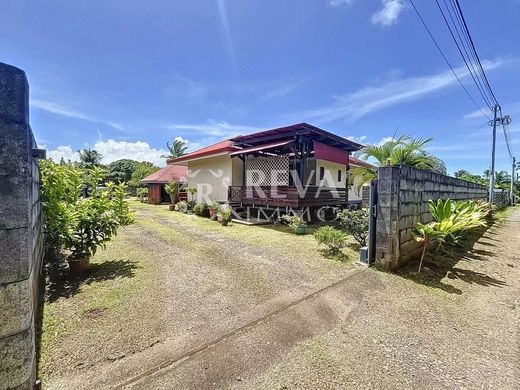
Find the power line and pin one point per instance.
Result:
(446, 59)
(471, 68)
(475, 51)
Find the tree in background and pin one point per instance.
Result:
(402, 151)
(142, 170)
(89, 158)
(177, 148)
(120, 171)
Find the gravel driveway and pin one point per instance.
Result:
(236, 314)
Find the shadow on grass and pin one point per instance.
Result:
(62, 284)
(439, 264)
(338, 256)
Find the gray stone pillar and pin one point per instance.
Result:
(387, 232)
(21, 242)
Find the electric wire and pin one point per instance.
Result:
(446, 59)
(467, 61)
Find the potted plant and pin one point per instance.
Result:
(191, 199)
(213, 209)
(224, 215)
(182, 206)
(172, 189)
(297, 223)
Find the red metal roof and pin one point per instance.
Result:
(262, 147)
(360, 163)
(220, 147)
(167, 174)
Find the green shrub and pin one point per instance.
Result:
(182, 206)
(294, 221)
(225, 212)
(201, 209)
(356, 223)
(78, 224)
(332, 238)
(142, 194)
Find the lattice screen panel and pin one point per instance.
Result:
(268, 171)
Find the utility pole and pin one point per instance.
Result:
(511, 197)
(492, 173)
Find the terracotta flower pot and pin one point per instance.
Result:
(224, 222)
(171, 207)
(213, 213)
(78, 266)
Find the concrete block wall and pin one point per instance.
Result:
(20, 233)
(403, 195)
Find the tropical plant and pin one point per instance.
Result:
(120, 171)
(225, 212)
(201, 209)
(332, 238)
(182, 206)
(294, 221)
(191, 201)
(142, 194)
(81, 225)
(142, 170)
(426, 234)
(404, 150)
(89, 158)
(177, 148)
(172, 189)
(450, 220)
(61, 187)
(356, 223)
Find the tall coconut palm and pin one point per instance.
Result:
(89, 158)
(177, 148)
(404, 150)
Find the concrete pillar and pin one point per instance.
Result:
(20, 233)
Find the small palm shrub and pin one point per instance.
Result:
(201, 209)
(142, 194)
(295, 222)
(224, 214)
(451, 220)
(332, 238)
(182, 206)
(356, 223)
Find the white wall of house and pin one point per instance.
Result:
(213, 175)
(331, 178)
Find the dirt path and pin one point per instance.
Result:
(343, 329)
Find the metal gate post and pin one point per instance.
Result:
(372, 217)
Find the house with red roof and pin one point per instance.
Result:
(294, 166)
(157, 180)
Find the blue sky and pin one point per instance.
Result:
(124, 77)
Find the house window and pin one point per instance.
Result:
(322, 173)
(339, 175)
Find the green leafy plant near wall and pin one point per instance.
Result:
(80, 224)
(333, 239)
(142, 194)
(451, 220)
(356, 223)
(172, 189)
(201, 209)
(296, 223)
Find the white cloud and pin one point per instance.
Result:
(281, 91)
(64, 151)
(339, 3)
(477, 114)
(366, 100)
(360, 140)
(389, 14)
(58, 109)
(212, 128)
(112, 150)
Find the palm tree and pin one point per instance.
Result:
(89, 158)
(402, 151)
(177, 148)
